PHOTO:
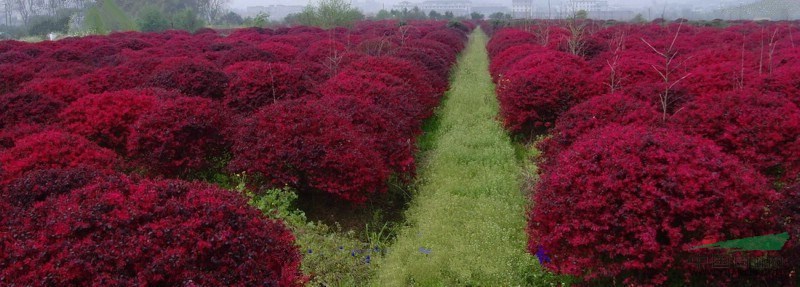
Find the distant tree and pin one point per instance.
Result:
(581, 14)
(105, 16)
(638, 19)
(497, 16)
(260, 20)
(329, 13)
(383, 15)
(43, 25)
(449, 15)
(187, 20)
(434, 15)
(152, 20)
(476, 16)
(232, 19)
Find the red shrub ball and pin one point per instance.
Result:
(763, 130)
(785, 80)
(423, 84)
(247, 53)
(64, 90)
(107, 118)
(540, 87)
(507, 38)
(385, 126)
(38, 185)
(382, 90)
(119, 232)
(193, 77)
(282, 52)
(28, 108)
(508, 57)
(255, 84)
(449, 37)
(12, 76)
(628, 202)
(436, 65)
(598, 112)
(309, 146)
(111, 79)
(53, 149)
(179, 137)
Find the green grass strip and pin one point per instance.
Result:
(466, 224)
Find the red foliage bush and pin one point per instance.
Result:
(508, 57)
(598, 112)
(282, 52)
(436, 48)
(53, 149)
(309, 146)
(436, 65)
(392, 133)
(255, 84)
(628, 202)
(13, 57)
(193, 77)
(247, 53)
(538, 88)
(9, 135)
(28, 108)
(449, 37)
(324, 52)
(382, 90)
(107, 118)
(785, 80)
(121, 232)
(38, 185)
(763, 130)
(508, 38)
(426, 90)
(12, 76)
(60, 89)
(112, 79)
(178, 137)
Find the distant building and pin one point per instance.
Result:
(404, 5)
(522, 9)
(459, 8)
(587, 5)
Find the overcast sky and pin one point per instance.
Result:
(388, 3)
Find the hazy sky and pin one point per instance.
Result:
(626, 3)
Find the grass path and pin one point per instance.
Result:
(466, 223)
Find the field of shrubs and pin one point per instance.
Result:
(113, 148)
(660, 137)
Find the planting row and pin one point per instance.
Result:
(98, 134)
(662, 138)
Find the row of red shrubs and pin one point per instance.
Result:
(98, 134)
(631, 180)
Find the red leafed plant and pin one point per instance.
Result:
(107, 118)
(28, 108)
(179, 137)
(630, 201)
(311, 147)
(763, 130)
(53, 149)
(538, 88)
(122, 232)
(64, 90)
(255, 84)
(193, 77)
(597, 112)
